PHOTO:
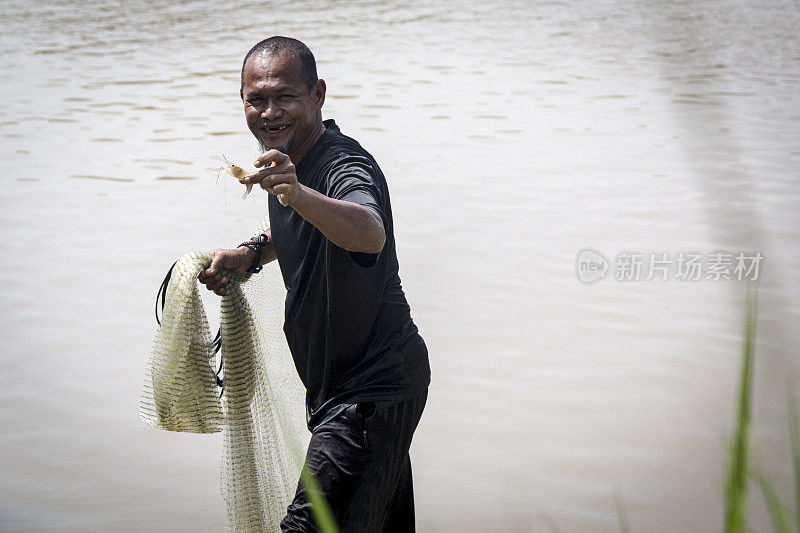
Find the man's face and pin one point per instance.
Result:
(280, 109)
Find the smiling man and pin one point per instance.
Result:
(347, 323)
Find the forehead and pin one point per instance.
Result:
(266, 71)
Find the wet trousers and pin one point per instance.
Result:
(361, 463)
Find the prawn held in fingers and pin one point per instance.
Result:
(234, 170)
(276, 175)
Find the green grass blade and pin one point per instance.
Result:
(777, 511)
(622, 514)
(736, 483)
(321, 511)
(550, 523)
(794, 434)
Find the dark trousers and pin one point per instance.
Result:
(360, 460)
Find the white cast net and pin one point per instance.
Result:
(261, 412)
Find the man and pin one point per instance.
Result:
(347, 322)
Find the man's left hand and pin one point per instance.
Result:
(277, 176)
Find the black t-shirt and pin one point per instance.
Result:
(347, 322)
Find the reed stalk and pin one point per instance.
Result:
(737, 473)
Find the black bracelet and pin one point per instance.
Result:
(255, 244)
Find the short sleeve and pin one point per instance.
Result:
(353, 179)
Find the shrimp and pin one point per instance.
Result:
(234, 170)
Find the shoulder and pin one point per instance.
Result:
(350, 153)
(352, 166)
(342, 150)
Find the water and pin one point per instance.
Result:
(513, 136)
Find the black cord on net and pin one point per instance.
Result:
(216, 344)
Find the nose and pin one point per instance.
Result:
(271, 111)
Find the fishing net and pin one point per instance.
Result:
(261, 411)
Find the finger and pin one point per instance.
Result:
(270, 165)
(216, 262)
(277, 168)
(270, 156)
(218, 282)
(211, 285)
(270, 182)
(220, 292)
(209, 272)
(210, 282)
(282, 189)
(257, 177)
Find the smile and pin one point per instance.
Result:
(274, 129)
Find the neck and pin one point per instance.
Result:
(297, 153)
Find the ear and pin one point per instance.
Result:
(319, 93)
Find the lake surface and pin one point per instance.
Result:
(513, 136)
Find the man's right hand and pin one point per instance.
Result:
(237, 260)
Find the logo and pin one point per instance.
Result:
(590, 266)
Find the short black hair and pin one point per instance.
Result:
(277, 45)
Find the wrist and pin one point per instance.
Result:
(247, 253)
(300, 199)
(254, 247)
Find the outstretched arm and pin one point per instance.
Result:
(351, 226)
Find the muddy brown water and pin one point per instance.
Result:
(513, 135)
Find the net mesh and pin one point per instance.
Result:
(261, 413)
